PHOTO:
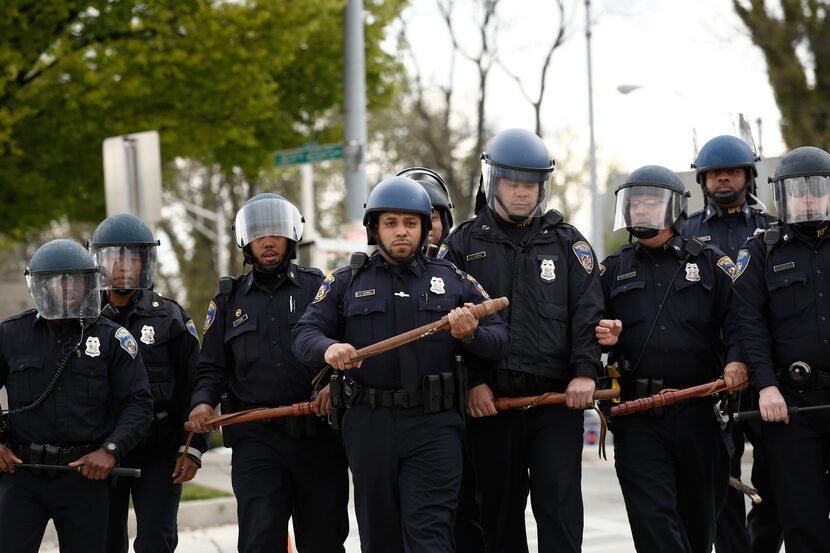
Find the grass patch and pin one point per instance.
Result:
(195, 492)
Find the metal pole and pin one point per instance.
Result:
(131, 162)
(223, 257)
(354, 81)
(597, 239)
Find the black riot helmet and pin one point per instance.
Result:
(801, 187)
(650, 199)
(268, 214)
(64, 281)
(439, 194)
(400, 194)
(726, 152)
(517, 156)
(125, 249)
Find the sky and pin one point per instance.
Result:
(693, 60)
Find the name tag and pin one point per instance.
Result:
(477, 255)
(704, 238)
(240, 320)
(783, 266)
(364, 293)
(627, 275)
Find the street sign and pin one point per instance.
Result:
(308, 154)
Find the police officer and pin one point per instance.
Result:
(726, 170)
(124, 247)
(402, 431)
(78, 396)
(672, 296)
(290, 467)
(442, 206)
(546, 268)
(780, 290)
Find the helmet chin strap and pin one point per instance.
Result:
(642, 232)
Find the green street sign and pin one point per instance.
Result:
(308, 154)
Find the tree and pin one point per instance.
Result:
(792, 34)
(225, 83)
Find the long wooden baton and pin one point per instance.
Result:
(479, 310)
(667, 397)
(550, 398)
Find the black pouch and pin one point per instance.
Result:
(227, 404)
(433, 394)
(448, 387)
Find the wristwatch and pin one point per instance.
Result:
(113, 449)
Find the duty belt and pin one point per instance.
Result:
(438, 394)
(47, 454)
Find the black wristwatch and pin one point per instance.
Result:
(113, 449)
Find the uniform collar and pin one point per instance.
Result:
(675, 244)
(416, 266)
(713, 210)
(246, 282)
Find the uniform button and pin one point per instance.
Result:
(821, 294)
(786, 281)
(823, 318)
(365, 309)
(818, 271)
(279, 364)
(659, 284)
(662, 327)
(656, 264)
(825, 340)
(273, 319)
(274, 342)
(270, 297)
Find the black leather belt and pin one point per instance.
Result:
(378, 397)
(47, 454)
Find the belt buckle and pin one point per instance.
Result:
(401, 398)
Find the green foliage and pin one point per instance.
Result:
(225, 83)
(195, 492)
(792, 34)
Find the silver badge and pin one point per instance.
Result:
(692, 272)
(548, 273)
(148, 335)
(93, 346)
(436, 285)
(155, 304)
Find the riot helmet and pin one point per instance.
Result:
(801, 187)
(726, 152)
(515, 175)
(398, 194)
(124, 248)
(650, 199)
(63, 281)
(268, 214)
(439, 195)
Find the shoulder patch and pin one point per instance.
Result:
(191, 328)
(741, 263)
(585, 256)
(478, 286)
(127, 341)
(211, 315)
(601, 269)
(727, 266)
(324, 289)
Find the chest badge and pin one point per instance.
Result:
(548, 270)
(436, 285)
(692, 272)
(148, 335)
(93, 346)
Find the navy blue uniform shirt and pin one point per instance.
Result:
(103, 395)
(247, 341)
(695, 330)
(781, 300)
(169, 347)
(368, 306)
(726, 229)
(553, 287)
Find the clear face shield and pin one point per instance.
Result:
(515, 193)
(126, 267)
(802, 199)
(66, 295)
(648, 207)
(268, 217)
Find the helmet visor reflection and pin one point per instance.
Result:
(518, 192)
(65, 295)
(126, 267)
(268, 217)
(644, 206)
(802, 199)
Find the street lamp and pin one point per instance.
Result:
(597, 239)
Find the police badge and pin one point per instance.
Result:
(548, 269)
(93, 346)
(148, 335)
(436, 285)
(692, 272)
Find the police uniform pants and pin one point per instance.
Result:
(406, 469)
(468, 534)
(673, 470)
(765, 534)
(799, 458)
(547, 442)
(275, 477)
(155, 499)
(77, 506)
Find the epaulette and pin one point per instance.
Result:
(311, 270)
(20, 315)
(696, 213)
